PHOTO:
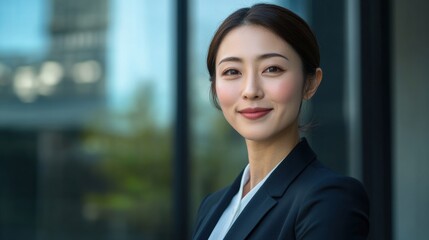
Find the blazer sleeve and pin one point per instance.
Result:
(337, 208)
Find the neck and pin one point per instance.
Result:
(265, 155)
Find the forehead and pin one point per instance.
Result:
(248, 41)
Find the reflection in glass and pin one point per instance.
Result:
(25, 84)
(85, 119)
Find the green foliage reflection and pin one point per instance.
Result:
(134, 167)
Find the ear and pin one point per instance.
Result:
(312, 84)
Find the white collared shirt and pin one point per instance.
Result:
(236, 205)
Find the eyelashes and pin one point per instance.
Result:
(269, 70)
(273, 69)
(230, 72)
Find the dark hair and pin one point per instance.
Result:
(281, 21)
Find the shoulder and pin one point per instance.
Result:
(218, 200)
(210, 200)
(207, 203)
(333, 183)
(332, 205)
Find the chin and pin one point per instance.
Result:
(255, 135)
(264, 134)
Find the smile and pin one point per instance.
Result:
(254, 113)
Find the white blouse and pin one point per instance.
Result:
(236, 205)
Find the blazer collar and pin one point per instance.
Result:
(264, 200)
(289, 169)
(212, 217)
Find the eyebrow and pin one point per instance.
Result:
(261, 57)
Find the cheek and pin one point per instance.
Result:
(226, 94)
(287, 92)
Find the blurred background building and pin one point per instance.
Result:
(90, 112)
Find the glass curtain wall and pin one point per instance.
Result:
(410, 119)
(85, 119)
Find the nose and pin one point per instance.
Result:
(251, 88)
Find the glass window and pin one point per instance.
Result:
(410, 117)
(85, 126)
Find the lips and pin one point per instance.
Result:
(254, 113)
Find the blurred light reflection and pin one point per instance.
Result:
(25, 84)
(86, 72)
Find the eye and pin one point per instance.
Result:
(231, 72)
(273, 69)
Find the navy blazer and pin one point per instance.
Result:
(301, 199)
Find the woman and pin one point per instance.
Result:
(263, 62)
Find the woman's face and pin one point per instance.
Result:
(259, 82)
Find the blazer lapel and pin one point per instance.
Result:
(275, 186)
(290, 168)
(216, 211)
(258, 206)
